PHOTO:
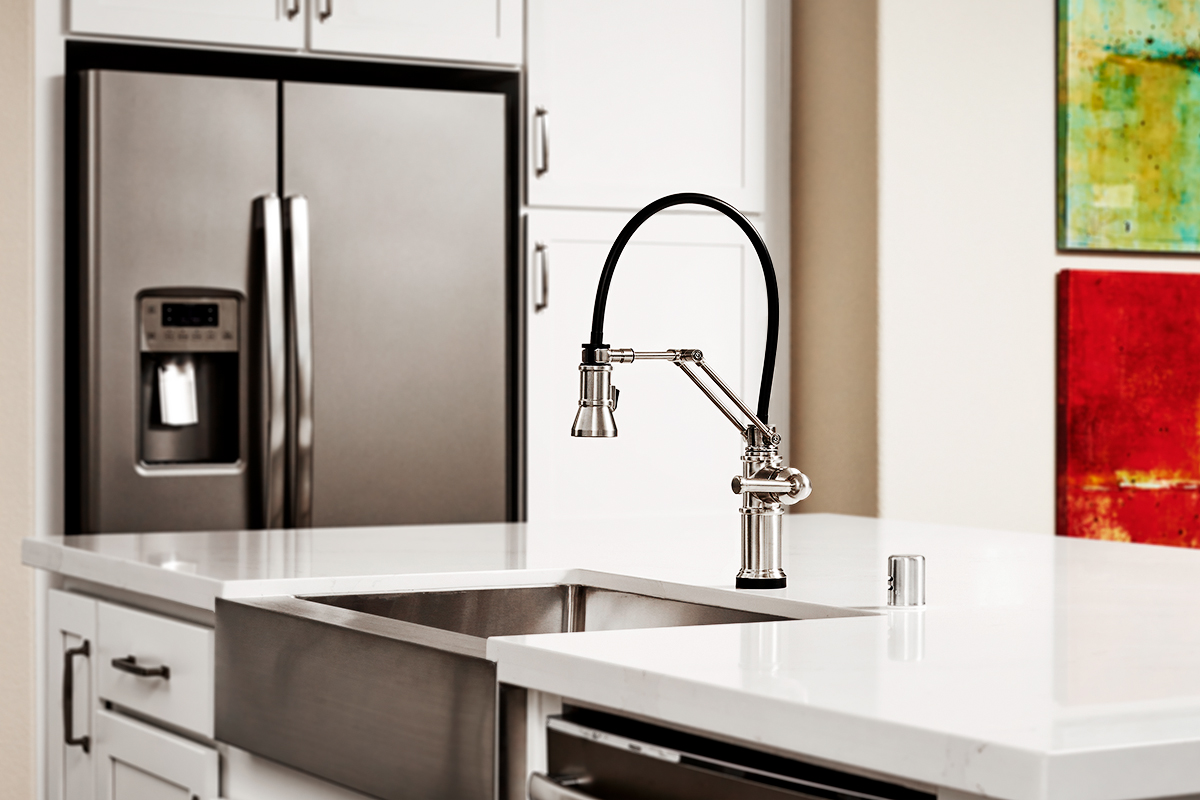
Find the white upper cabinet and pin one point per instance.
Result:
(473, 31)
(484, 31)
(629, 100)
(679, 284)
(262, 23)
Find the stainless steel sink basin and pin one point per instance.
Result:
(562, 608)
(392, 694)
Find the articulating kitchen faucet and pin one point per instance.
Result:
(765, 484)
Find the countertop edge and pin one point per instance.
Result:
(917, 754)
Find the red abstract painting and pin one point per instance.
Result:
(1129, 406)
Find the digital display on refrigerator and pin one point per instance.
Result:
(189, 315)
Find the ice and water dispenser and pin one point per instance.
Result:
(190, 349)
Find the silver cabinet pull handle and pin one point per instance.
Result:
(68, 692)
(300, 279)
(325, 10)
(270, 221)
(293, 8)
(542, 253)
(542, 121)
(543, 787)
(129, 664)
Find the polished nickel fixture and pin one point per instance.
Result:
(766, 485)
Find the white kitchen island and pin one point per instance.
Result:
(1040, 668)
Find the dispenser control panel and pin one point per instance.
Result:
(189, 324)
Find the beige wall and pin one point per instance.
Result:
(834, 256)
(17, 771)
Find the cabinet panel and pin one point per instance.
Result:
(265, 23)
(679, 284)
(629, 100)
(185, 696)
(71, 626)
(246, 776)
(131, 783)
(484, 31)
(139, 762)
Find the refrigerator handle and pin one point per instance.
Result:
(296, 215)
(276, 364)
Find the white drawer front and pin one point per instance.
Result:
(185, 696)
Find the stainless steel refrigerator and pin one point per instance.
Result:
(294, 304)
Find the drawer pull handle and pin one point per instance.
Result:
(129, 664)
(542, 254)
(69, 697)
(541, 118)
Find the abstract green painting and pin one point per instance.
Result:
(1129, 125)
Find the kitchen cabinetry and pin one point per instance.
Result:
(123, 662)
(628, 101)
(262, 23)
(684, 281)
(483, 31)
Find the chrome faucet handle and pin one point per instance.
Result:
(786, 485)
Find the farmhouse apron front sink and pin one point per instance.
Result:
(392, 694)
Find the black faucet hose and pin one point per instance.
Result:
(764, 258)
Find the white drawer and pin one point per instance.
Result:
(185, 696)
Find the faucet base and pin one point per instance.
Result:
(761, 583)
(762, 545)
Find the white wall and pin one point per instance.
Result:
(967, 262)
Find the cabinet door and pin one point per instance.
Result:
(71, 626)
(484, 31)
(679, 284)
(629, 100)
(265, 23)
(138, 762)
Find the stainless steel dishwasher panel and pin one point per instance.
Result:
(597, 755)
(381, 706)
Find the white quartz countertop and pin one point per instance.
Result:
(1041, 667)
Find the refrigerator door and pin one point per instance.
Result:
(406, 210)
(172, 167)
